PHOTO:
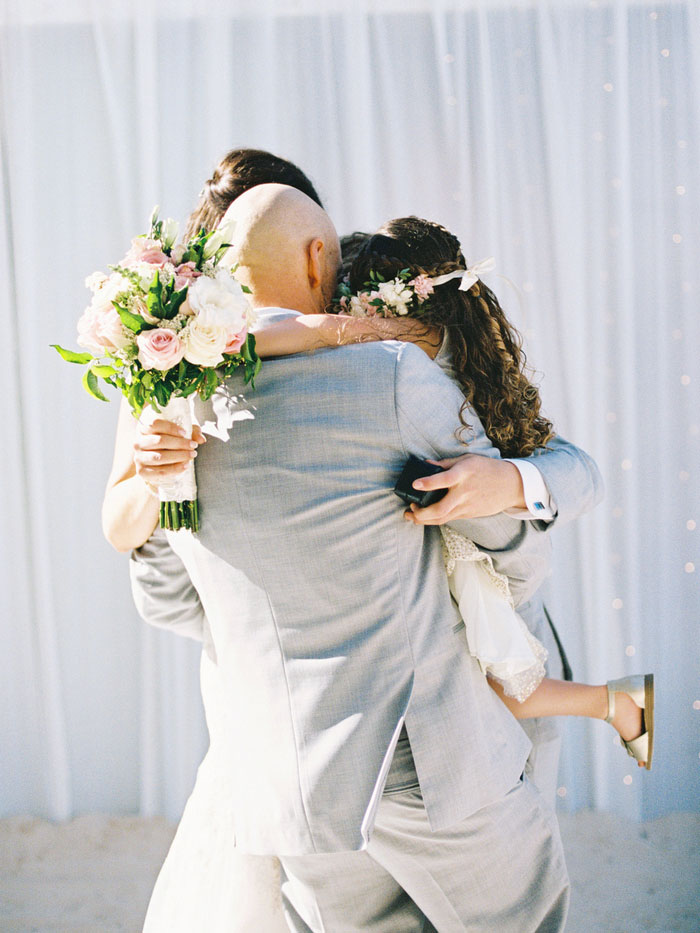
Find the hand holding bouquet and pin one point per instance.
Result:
(168, 322)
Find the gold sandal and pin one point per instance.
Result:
(640, 688)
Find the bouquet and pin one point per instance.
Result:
(168, 321)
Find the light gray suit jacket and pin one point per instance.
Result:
(328, 615)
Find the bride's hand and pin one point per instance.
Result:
(163, 450)
(477, 486)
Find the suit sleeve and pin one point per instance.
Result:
(163, 591)
(571, 476)
(427, 410)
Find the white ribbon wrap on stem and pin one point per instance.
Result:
(182, 488)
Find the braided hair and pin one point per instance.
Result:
(487, 355)
(239, 170)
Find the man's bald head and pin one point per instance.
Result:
(286, 248)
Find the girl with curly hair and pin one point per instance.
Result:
(410, 281)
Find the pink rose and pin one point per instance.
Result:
(185, 273)
(159, 349)
(102, 330)
(236, 341)
(145, 250)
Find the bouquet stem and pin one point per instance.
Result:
(177, 515)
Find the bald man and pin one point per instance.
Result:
(287, 250)
(352, 734)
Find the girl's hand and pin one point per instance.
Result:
(163, 450)
(477, 486)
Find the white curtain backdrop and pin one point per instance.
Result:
(560, 137)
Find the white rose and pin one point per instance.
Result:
(204, 340)
(222, 299)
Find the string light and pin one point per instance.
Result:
(626, 464)
(689, 567)
(617, 603)
(630, 651)
(627, 779)
(690, 525)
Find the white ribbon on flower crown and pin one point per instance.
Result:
(469, 276)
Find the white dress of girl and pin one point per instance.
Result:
(496, 635)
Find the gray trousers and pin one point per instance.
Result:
(500, 870)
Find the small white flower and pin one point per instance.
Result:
(395, 296)
(356, 308)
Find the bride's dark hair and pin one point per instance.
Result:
(487, 354)
(239, 170)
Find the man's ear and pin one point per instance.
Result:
(316, 262)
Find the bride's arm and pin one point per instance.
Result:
(130, 507)
(318, 331)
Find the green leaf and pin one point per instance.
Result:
(247, 350)
(153, 299)
(72, 356)
(133, 322)
(103, 372)
(91, 387)
(174, 302)
(161, 393)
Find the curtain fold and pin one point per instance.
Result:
(561, 138)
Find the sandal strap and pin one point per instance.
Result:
(611, 704)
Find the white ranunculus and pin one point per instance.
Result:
(222, 300)
(204, 340)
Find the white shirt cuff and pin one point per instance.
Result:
(537, 498)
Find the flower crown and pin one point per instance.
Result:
(405, 293)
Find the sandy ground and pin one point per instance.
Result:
(95, 873)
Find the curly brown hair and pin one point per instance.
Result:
(487, 354)
(236, 172)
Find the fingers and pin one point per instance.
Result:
(436, 514)
(160, 458)
(156, 466)
(153, 441)
(161, 426)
